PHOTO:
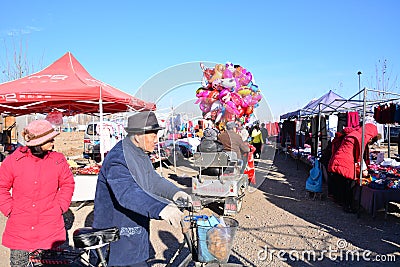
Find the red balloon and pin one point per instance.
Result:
(241, 111)
(249, 110)
(212, 96)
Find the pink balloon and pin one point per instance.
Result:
(257, 97)
(227, 74)
(243, 79)
(231, 107)
(247, 76)
(205, 107)
(224, 95)
(236, 99)
(203, 93)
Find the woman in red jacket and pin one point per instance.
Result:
(346, 156)
(36, 187)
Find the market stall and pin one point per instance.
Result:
(305, 132)
(383, 184)
(66, 88)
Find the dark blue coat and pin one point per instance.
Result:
(121, 202)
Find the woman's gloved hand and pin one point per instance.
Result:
(183, 196)
(171, 214)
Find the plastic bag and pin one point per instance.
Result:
(220, 239)
(202, 228)
(314, 180)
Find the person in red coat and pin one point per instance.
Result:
(36, 187)
(346, 157)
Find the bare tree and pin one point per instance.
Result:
(385, 81)
(14, 63)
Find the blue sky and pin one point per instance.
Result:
(296, 50)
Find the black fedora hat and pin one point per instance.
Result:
(141, 122)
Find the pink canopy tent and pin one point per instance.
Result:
(66, 86)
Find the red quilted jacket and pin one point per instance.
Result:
(348, 152)
(41, 191)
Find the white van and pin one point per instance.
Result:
(91, 140)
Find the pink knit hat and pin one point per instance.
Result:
(38, 132)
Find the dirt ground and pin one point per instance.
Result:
(279, 225)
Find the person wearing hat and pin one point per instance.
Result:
(36, 187)
(209, 142)
(232, 141)
(130, 192)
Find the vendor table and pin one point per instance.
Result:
(85, 187)
(373, 200)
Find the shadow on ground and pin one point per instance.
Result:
(379, 235)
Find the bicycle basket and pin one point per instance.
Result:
(214, 243)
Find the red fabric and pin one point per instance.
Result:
(250, 169)
(273, 128)
(64, 85)
(353, 119)
(41, 191)
(348, 153)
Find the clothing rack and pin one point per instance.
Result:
(365, 103)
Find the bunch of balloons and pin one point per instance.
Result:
(228, 93)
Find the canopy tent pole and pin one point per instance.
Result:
(101, 127)
(362, 148)
(388, 138)
(363, 131)
(319, 129)
(173, 137)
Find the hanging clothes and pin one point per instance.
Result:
(353, 119)
(315, 134)
(397, 113)
(332, 125)
(324, 133)
(377, 114)
(392, 112)
(288, 130)
(342, 121)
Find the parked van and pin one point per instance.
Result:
(91, 141)
(113, 132)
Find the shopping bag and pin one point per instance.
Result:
(314, 180)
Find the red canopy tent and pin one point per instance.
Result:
(65, 85)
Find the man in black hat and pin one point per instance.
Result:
(130, 192)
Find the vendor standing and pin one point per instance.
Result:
(130, 192)
(346, 162)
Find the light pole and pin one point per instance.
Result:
(359, 85)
